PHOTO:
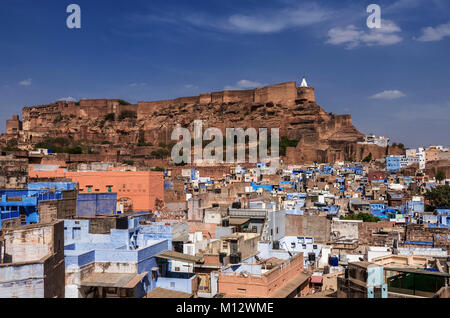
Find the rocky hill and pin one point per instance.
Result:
(116, 124)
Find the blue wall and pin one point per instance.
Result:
(93, 204)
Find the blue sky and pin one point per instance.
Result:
(394, 81)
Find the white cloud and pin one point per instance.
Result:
(137, 84)
(264, 21)
(353, 37)
(244, 84)
(68, 99)
(435, 34)
(389, 94)
(26, 82)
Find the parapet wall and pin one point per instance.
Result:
(279, 93)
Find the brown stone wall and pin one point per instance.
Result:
(314, 226)
(66, 208)
(238, 96)
(54, 266)
(440, 236)
(306, 93)
(285, 93)
(48, 211)
(13, 126)
(434, 166)
(104, 225)
(13, 173)
(368, 233)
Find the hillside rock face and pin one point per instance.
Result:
(322, 137)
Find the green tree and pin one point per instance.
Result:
(285, 142)
(369, 158)
(122, 102)
(438, 196)
(110, 117)
(440, 176)
(365, 217)
(160, 153)
(127, 114)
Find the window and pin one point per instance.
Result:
(242, 290)
(177, 269)
(172, 285)
(315, 247)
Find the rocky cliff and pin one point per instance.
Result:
(321, 136)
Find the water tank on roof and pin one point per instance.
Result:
(334, 261)
(236, 205)
(276, 245)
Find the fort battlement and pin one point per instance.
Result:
(293, 109)
(284, 93)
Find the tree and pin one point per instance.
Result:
(439, 196)
(440, 176)
(110, 117)
(127, 114)
(160, 153)
(365, 217)
(285, 142)
(122, 102)
(368, 158)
